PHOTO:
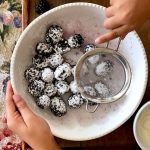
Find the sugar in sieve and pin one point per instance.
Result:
(103, 75)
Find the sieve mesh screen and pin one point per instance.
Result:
(102, 75)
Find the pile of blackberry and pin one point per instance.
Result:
(47, 75)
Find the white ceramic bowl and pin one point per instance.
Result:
(141, 129)
(87, 19)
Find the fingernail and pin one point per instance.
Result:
(122, 37)
(98, 41)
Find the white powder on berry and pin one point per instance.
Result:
(102, 89)
(47, 75)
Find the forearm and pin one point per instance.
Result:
(50, 145)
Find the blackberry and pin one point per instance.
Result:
(37, 59)
(75, 101)
(58, 107)
(93, 59)
(44, 48)
(55, 60)
(40, 61)
(42, 7)
(62, 87)
(32, 73)
(102, 89)
(89, 47)
(74, 87)
(90, 90)
(54, 34)
(104, 68)
(75, 41)
(43, 101)
(36, 87)
(62, 71)
(62, 47)
(50, 90)
(47, 75)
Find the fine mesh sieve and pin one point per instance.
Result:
(103, 75)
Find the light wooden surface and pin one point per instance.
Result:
(122, 138)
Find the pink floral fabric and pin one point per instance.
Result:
(10, 30)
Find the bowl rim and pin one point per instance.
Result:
(140, 111)
(56, 133)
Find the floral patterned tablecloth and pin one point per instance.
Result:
(10, 30)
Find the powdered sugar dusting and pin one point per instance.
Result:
(104, 68)
(102, 89)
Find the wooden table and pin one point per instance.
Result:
(122, 138)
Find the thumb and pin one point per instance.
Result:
(23, 108)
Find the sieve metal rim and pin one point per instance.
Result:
(123, 61)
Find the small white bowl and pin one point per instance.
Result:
(141, 129)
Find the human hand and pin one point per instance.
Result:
(31, 128)
(124, 16)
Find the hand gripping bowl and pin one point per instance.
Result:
(86, 19)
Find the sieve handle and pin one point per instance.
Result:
(107, 44)
(91, 111)
(119, 42)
